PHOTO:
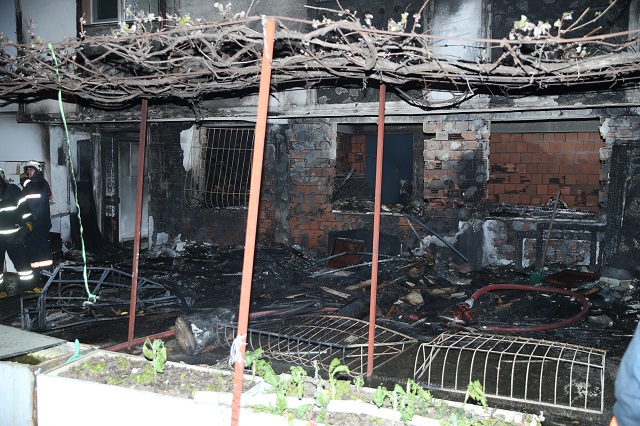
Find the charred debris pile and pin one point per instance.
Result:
(420, 295)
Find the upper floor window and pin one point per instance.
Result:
(109, 11)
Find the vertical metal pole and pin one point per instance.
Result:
(376, 232)
(138, 219)
(252, 217)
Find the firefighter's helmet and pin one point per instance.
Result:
(33, 164)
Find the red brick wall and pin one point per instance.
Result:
(529, 168)
(350, 152)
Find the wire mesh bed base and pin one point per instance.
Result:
(304, 340)
(516, 369)
(62, 301)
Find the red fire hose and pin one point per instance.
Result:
(464, 316)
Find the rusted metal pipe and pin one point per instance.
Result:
(164, 335)
(252, 216)
(376, 232)
(138, 219)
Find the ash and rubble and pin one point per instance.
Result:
(416, 294)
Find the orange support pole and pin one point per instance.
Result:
(138, 219)
(252, 217)
(376, 232)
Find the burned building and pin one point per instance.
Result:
(510, 131)
(481, 168)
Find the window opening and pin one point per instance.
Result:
(105, 11)
(354, 183)
(220, 168)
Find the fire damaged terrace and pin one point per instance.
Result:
(418, 205)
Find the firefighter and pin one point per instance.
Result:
(23, 178)
(37, 193)
(15, 226)
(626, 409)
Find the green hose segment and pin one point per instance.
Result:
(91, 298)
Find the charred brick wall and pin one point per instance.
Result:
(527, 170)
(621, 162)
(350, 151)
(462, 165)
(455, 169)
(166, 195)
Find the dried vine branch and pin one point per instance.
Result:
(220, 58)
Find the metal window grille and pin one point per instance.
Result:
(220, 168)
(516, 369)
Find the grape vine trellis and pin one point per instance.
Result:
(187, 60)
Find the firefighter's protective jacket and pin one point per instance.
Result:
(36, 192)
(14, 211)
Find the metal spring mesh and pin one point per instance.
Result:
(322, 338)
(516, 369)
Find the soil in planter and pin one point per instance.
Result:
(139, 374)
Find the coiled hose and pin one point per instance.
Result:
(528, 328)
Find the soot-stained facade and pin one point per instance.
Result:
(483, 173)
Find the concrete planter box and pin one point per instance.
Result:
(18, 382)
(69, 401)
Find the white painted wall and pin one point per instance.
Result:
(49, 20)
(18, 143)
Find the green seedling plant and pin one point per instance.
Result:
(475, 392)
(147, 375)
(123, 363)
(321, 395)
(156, 352)
(338, 387)
(296, 385)
(98, 367)
(262, 368)
(408, 400)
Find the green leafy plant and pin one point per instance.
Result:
(296, 385)
(262, 368)
(408, 401)
(475, 392)
(147, 375)
(380, 396)
(98, 367)
(338, 387)
(156, 353)
(116, 381)
(358, 382)
(123, 363)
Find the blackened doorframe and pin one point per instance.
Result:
(110, 193)
(111, 158)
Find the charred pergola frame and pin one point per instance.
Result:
(189, 61)
(169, 60)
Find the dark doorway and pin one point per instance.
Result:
(397, 166)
